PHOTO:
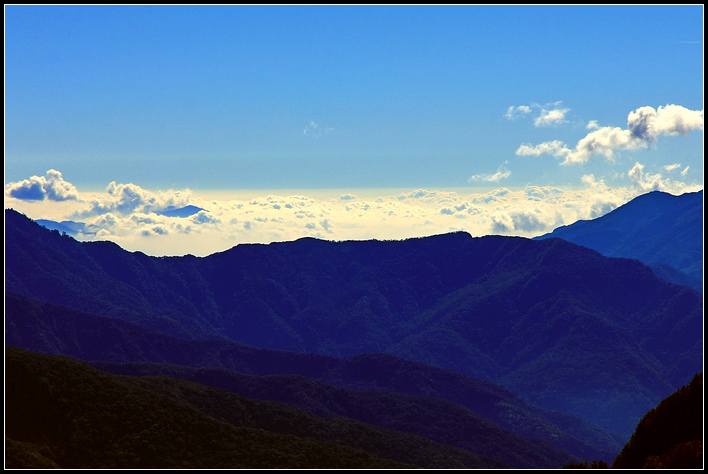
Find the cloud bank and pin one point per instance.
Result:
(131, 216)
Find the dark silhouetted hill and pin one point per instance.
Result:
(669, 436)
(655, 228)
(60, 412)
(556, 323)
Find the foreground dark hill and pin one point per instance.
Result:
(655, 228)
(62, 413)
(322, 385)
(558, 324)
(671, 435)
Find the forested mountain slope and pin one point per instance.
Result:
(560, 325)
(655, 228)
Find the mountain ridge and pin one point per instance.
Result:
(46, 328)
(502, 308)
(655, 228)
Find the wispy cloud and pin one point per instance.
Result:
(644, 126)
(501, 173)
(644, 181)
(38, 188)
(315, 130)
(514, 113)
(548, 115)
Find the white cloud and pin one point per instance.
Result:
(556, 148)
(53, 187)
(129, 221)
(644, 126)
(647, 124)
(549, 118)
(129, 198)
(592, 125)
(513, 113)
(548, 115)
(525, 220)
(645, 181)
(672, 167)
(314, 130)
(204, 217)
(501, 173)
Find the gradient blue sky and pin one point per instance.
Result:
(345, 122)
(220, 97)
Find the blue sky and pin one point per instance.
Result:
(351, 97)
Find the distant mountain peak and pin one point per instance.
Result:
(656, 227)
(186, 211)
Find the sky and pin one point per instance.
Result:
(345, 122)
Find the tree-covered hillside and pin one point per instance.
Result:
(669, 436)
(62, 413)
(558, 324)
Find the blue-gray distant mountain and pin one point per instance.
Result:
(655, 228)
(558, 324)
(185, 211)
(68, 227)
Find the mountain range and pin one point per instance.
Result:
(661, 230)
(486, 344)
(327, 384)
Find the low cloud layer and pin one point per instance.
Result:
(130, 215)
(644, 127)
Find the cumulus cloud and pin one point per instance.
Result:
(130, 198)
(644, 181)
(647, 124)
(53, 187)
(644, 126)
(552, 117)
(501, 173)
(672, 167)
